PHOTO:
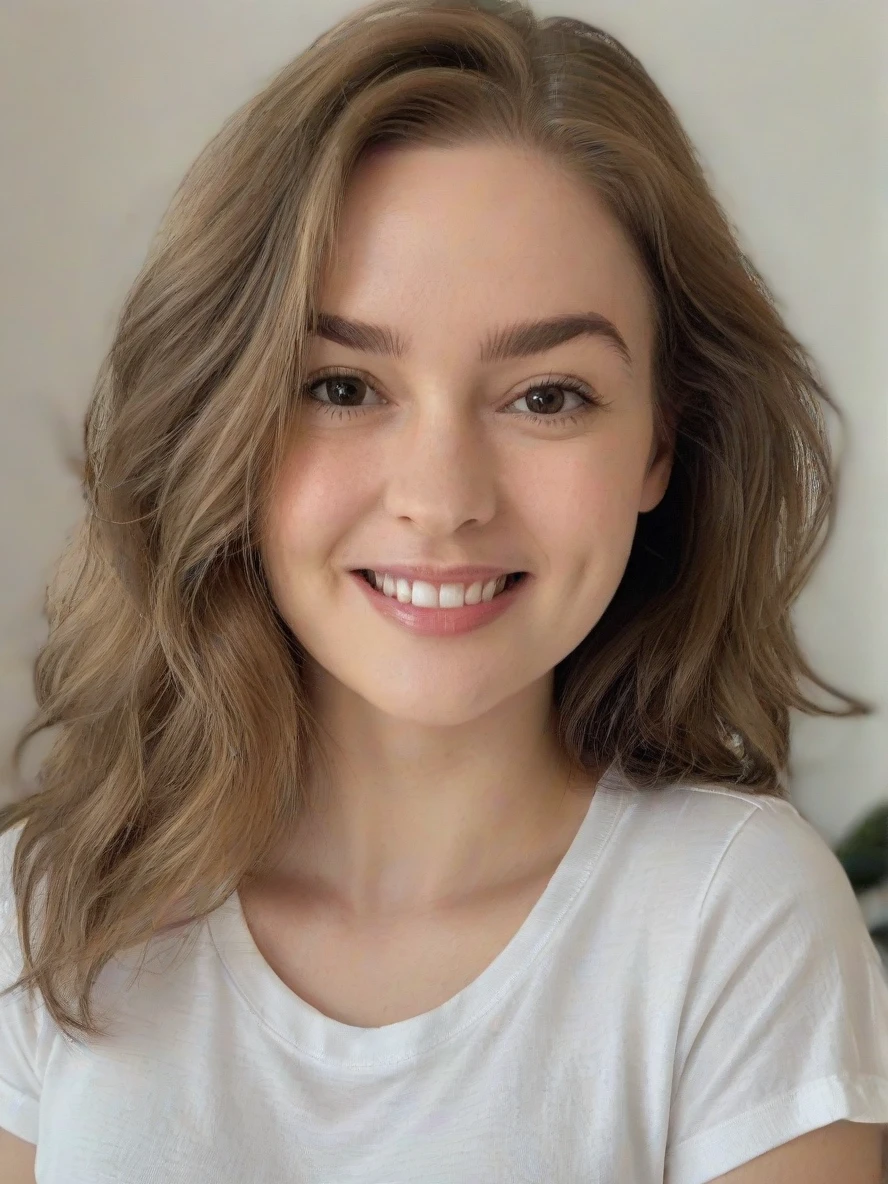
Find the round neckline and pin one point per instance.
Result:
(322, 1038)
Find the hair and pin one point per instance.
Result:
(185, 734)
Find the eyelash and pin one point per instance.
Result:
(589, 398)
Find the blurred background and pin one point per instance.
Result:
(105, 103)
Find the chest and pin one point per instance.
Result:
(234, 1111)
(378, 973)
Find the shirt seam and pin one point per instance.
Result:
(843, 1079)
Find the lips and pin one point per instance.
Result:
(436, 620)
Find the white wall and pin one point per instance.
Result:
(105, 103)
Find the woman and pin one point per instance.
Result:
(417, 810)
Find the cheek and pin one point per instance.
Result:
(319, 494)
(584, 508)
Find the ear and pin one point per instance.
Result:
(659, 470)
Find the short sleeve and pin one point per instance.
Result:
(20, 1019)
(784, 1028)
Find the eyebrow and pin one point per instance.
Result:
(513, 341)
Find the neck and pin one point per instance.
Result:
(410, 817)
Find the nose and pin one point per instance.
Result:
(442, 472)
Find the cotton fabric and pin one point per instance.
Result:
(694, 987)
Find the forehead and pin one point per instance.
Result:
(455, 240)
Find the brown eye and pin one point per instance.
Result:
(545, 399)
(342, 390)
(550, 399)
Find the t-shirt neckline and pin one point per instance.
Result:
(322, 1038)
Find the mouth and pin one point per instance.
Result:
(423, 594)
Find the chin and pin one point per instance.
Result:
(433, 692)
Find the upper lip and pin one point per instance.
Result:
(441, 575)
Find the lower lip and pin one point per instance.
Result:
(440, 622)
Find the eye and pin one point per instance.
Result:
(342, 390)
(552, 398)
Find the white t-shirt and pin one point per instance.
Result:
(694, 987)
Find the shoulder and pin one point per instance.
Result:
(783, 1024)
(767, 899)
(771, 855)
(744, 837)
(740, 862)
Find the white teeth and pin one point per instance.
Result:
(451, 595)
(473, 593)
(426, 595)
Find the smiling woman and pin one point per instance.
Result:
(418, 805)
(461, 441)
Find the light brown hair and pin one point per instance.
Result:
(184, 734)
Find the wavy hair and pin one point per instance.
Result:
(184, 733)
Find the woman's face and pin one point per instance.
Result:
(429, 449)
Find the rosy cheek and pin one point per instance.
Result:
(321, 489)
(584, 510)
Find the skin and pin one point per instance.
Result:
(438, 743)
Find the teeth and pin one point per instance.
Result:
(451, 595)
(426, 595)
